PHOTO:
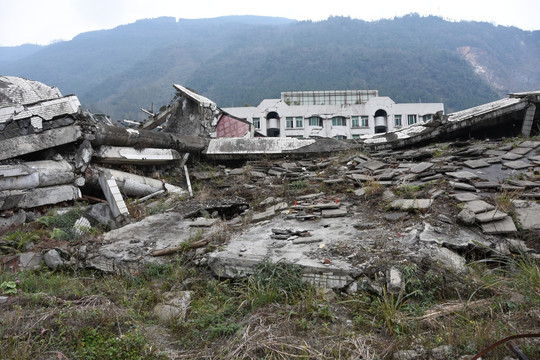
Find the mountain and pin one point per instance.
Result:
(236, 60)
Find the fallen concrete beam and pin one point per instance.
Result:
(27, 144)
(140, 139)
(49, 195)
(134, 185)
(35, 174)
(252, 148)
(129, 155)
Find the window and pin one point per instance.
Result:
(426, 117)
(257, 122)
(354, 121)
(295, 136)
(315, 121)
(356, 136)
(289, 122)
(397, 120)
(338, 121)
(299, 122)
(411, 119)
(340, 137)
(365, 121)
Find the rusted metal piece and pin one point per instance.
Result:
(502, 341)
(517, 351)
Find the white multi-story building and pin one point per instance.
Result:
(341, 114)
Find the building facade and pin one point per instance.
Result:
(340, 114)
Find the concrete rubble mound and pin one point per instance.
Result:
(346, 212)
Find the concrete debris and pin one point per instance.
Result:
(351, 220)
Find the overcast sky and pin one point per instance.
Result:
(45, 21)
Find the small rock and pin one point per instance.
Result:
(52, 259)
(467, 217)
(443, 352)
(406, 355)
(395, 281)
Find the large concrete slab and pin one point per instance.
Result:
(22, 145)
(254, 245)
(129, 155)
(504, 226)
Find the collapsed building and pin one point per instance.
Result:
(53, 152)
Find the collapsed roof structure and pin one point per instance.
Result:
(50, 149)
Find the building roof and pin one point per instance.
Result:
(20, 91)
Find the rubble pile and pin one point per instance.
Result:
(341, 217)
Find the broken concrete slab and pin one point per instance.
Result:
(27, 144)
(129, 248)
(478, 206)
(35, 174)
(411, 204)
(475, 164)
(129, 155)
(49, 195)
(465, 196)
(334, 213)
(30, 261)
(461, 186)
(504, 226)
(529, 217)
(462, 175)
(517, 165)
(202, 222)
(421, 167)
(492, 215)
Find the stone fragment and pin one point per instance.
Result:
(475, 164)
(504, 226)
(530, 144)
(529, 218)
(487, 185)
(518, 164)
(466, 217)
(465, 196)
(461, 186)
(511, 156)
(492, 215)
(52, 259)
(373, 165)
(30, 261)
(101, 213)
(395, 282)
(396, 216)
(202, 222)
(520, 150)
(462, 175)
(333, 213)
(266, 215)
(174, 308)
(407, 355)
(450, 259)
(421, 167)
(360, 192)
(443, 352)
(411, 204)
(478, 206)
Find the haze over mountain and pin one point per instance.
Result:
(239, 60)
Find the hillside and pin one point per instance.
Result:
(243, 59)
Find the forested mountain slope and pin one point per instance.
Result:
(244, 59)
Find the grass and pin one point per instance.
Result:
(270, 314)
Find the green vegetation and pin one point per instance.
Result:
(269, 314)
